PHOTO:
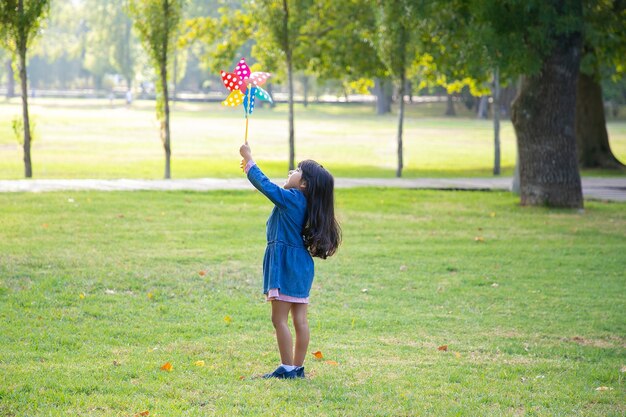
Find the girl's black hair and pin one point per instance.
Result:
(321, 233)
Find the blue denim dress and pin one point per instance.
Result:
(287, 264)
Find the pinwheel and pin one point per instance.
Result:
(244, 87)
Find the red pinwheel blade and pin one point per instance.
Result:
(231, 81)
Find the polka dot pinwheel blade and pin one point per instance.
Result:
(242, 70)
(234, 99)
(231, 81)
(263, 95)
(248, 100)
(258, 78)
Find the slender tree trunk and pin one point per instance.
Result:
(496, 122)
(543, 118)
(287, 48)
(305, 85)
(483, 107)
(592, 139)
(22, 38)
(165, 124)
(450, 106)
(383, 98)
(400, 123)
(10, 79)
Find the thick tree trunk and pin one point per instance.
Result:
(543, 118)
(592, 139)
(496, 122)
(450, 106)
(400, 123)
(10, 79)
(165, 123)
(383, 97)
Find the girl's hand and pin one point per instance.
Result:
(245, 152)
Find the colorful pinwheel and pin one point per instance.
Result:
(245, 87)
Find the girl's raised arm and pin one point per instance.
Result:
(276, 194)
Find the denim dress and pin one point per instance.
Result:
(287, 264)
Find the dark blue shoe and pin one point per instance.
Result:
(299, 372)
(282, 373)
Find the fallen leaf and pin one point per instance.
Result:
(443, 348)
(150, 296)
(457, 354)
(228, 319)
(403, 267)
(81, 295)
(143, 414)
(109, 291)
(495, 285)
(45, 225)
(116, 363)
(623, 368)
(318, 354)
(202, 273)
(492, 214)
(199, 363)
(334, 363)
(479, 239)
(604, 389)
(120, 216)
(364, 290)
(241, 378)
(167, 367)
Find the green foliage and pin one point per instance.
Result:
(17, 125)
(158, 23)
(20, 21)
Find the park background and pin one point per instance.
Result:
(438, 302)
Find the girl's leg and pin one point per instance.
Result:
(280, 314)
(301, 324)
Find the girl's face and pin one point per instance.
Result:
(294, 180)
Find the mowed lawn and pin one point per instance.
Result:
(94, 139)
(99, 290)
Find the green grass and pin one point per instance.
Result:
(92, 139)
(98, 290)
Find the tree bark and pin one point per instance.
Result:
(592, 139)
(305, 88)
(290, 83)
(496, 122)
(165, 124)
(22, 49)
(543, 118)
(10, 79)
(483, 108)
(383, 98)
(400, 123)
(450, 106)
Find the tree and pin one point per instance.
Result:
(604, 49)
(20, 21)
(398, 22)
(157, 22)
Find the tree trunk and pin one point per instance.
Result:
(10, 79)
(450, 106)
(383, 97)
(28, 168)
(592, 139)
(496, 122)
(287, 47)
(483, 108)
(165, 123)
(305, 87)
(400, 122)
(543, 118)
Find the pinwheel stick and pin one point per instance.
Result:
(246, 138)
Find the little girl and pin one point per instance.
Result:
(302, 225)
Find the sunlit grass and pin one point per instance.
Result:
(92, 139)
(98, 290)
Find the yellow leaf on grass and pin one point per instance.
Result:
(604, 389)
(199, 363)
(81, 295)
(334, 363)
(150, 296)
(457, 354)
(227, 319)
(479, 239)
(167, 367)
(318, 355)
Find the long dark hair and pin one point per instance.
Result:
(321, 233)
